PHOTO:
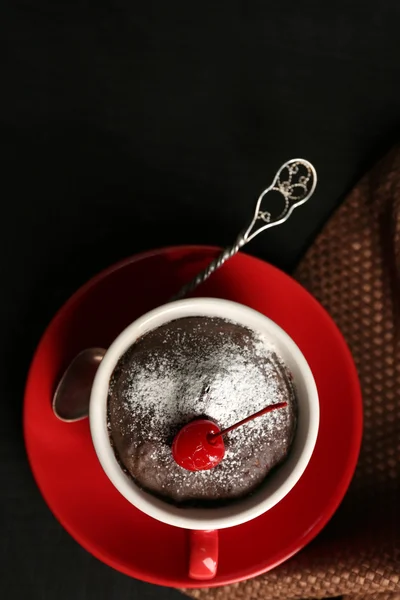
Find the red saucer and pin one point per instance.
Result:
(64, 462)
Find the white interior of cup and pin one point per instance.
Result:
(277, 484)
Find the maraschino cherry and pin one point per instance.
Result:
(193, 449)
(199, 445)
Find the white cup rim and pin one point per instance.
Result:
(277, 486)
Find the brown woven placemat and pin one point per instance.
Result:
(353, 269)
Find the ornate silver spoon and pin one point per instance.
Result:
(295, 181)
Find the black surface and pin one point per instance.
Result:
(129, 125)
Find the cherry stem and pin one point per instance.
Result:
(213, 436)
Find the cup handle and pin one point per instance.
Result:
(203, 559)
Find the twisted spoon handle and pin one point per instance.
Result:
(295, 181)
(213, 266)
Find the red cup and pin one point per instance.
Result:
(203, 523)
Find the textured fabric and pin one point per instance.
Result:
(353, 269)
(374, 596)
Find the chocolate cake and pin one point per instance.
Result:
(200, 367)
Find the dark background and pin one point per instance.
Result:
(126, 126)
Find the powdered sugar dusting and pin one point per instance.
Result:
(201, 367)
